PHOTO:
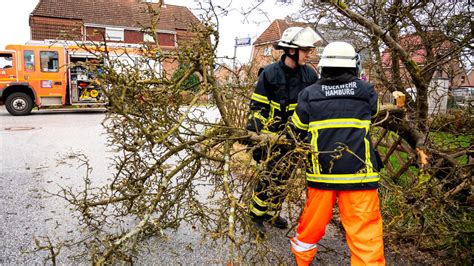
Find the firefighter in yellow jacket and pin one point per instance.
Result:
(272, 104)
(334, 116)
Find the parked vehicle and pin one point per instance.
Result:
(48, 75)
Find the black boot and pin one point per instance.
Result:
(259, 226)
(279, 222)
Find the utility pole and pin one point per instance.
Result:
(235, 54)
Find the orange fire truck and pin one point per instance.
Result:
(44, 75)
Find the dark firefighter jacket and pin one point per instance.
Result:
(334, 116)
(276, 95)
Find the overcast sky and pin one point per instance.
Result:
(15, 28)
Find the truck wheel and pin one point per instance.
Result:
(19, 103)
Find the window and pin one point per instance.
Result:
(167, 39)
(49, 61)
(267, 51)
(6, 60)
(114, 34)
(29, 58)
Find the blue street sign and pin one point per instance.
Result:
(242, 41)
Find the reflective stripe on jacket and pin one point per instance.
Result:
(277, 88)
(335, 118)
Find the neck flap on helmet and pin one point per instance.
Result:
(295, 57)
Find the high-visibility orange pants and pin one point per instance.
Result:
(360, 216)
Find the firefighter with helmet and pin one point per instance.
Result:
(334, 114)
(272, 104)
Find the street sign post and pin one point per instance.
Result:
(239, 42)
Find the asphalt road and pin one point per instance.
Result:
(32, 149)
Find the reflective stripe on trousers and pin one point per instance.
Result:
(360, 216)
(266, 200)
(305, 251)
(269, 193)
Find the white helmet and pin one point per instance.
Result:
(298, 37)
(339, 54)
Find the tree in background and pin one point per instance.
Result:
(409, 41)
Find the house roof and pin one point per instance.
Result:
(275, 30)
(121, 13)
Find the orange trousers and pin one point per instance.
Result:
(360, 216)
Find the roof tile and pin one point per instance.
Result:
(275, 30)
(120, 13)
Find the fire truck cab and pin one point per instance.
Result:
(42, 75)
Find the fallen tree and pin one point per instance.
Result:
(176, 164)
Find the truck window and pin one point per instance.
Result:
(49, 61)
(6, 60)
(29, 58)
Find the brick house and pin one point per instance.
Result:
(414, 46)
(224, 74)
(264, 53)
(115, 21)
(444, 77)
